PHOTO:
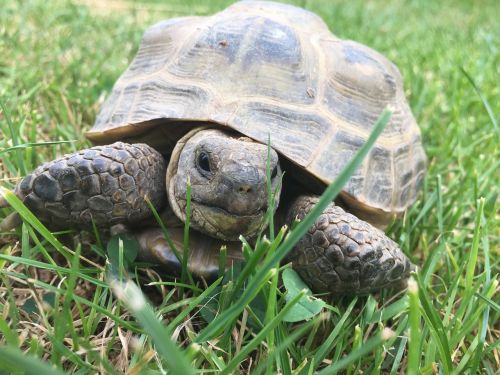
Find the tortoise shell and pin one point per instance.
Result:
(273, 70)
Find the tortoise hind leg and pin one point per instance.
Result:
(342, 254)
(105, 185)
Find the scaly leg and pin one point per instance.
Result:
(106, 185)
(342, 254)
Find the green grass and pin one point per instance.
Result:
(59, 61)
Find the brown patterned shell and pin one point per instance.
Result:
(264, 69)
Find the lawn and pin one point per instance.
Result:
(63, 306)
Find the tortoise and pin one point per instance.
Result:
(198, 105)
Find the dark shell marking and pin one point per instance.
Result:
(341, 254)
(104, 184)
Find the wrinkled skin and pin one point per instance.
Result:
(340, 254)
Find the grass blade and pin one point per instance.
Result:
(42, 265)
(14, 137)
(32, 144)
(283, 345)
(29, 217)
(270, 195)
(355, 355)
(327, 346)
(77, 298)
(185, 253)
(473, 254)
(258, 339)
(13, 359)
(195, 302)
(415, 332)
(8, 334)
(132, 296)
(485, 102)
(436, 329)
(170, 243)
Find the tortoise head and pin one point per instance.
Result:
(227, 175)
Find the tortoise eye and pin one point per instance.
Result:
(204, 162)
(274, 172)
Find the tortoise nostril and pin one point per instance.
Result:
(245, 189)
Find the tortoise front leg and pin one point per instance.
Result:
(342, 254)
(106, 185)
(204, 251)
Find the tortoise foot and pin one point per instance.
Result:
(343, 255)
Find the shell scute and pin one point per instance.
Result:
(161, 99)
(359, 84)
(345, 145)
(290, 125)
(158, 45)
